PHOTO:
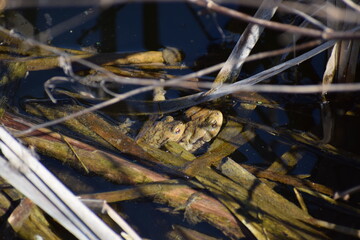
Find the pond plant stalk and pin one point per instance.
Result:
(211, 187)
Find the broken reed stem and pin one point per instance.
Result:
(232, 67)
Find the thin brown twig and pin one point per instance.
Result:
(306, 17)
(326, 35)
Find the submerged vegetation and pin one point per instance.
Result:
(230, 121)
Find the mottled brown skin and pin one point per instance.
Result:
(167, 129)
(202, 125)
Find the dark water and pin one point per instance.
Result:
(207, 38)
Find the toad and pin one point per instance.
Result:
(162, 131)
(201, 126)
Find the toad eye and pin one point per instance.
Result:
(214, 124)
(177, 130)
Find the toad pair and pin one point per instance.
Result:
(201, 126)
